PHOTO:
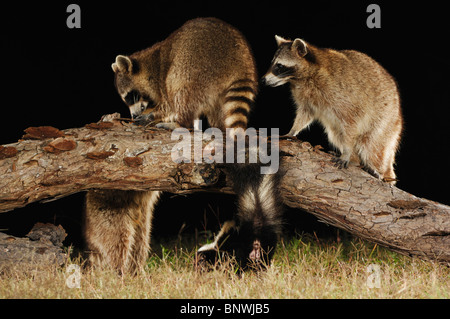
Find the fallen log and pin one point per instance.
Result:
(48, 164)
(353, 200)
(41, 247)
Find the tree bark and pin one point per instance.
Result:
(48, 163)
(42, 247)
(353, 200)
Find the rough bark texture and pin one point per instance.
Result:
(49, 164)
(41, 247)
(353, 200)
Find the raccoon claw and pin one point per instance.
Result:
(287, 137)
(334, 153)
(167, 126)
(339, 163)
(143, 119)
(390, 180)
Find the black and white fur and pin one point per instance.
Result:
(253, 235)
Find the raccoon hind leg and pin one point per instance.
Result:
(143, 226)
(389, 175)
(377, 149)
(108, 230)
(117, 228)
(378, 161)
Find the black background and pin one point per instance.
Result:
(53, 75)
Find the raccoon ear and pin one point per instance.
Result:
(280, 40)
(123, 64)
(300, 46)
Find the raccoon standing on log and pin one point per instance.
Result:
(204, 68)
(351, 95)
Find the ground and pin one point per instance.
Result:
(303, 267)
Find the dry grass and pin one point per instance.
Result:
(302, 268)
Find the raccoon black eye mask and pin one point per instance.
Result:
(132, 97)
(282, 71)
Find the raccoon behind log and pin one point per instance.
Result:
(205, 68)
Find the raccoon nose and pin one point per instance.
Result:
(263, 81)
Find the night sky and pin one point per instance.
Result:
(62, 77)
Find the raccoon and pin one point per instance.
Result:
(117, 226)
(352, 96)
(205, 68)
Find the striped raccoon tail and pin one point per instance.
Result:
(253, 235)
(238, 102)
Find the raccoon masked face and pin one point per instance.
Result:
(129, 84)
(137, 102)
(287, 61)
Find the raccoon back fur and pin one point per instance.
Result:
(204, 68)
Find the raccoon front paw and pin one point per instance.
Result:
(144, 119)
(339, 162)
(167, 126)
(287, 137)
